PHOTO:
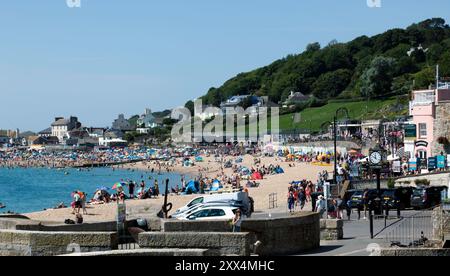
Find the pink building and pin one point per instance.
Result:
(423, 108)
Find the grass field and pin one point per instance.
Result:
(313, 118)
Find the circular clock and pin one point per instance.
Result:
(375, 158)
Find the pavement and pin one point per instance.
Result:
(357, 241)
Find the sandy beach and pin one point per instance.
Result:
(135, 208)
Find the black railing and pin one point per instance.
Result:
(417, 229)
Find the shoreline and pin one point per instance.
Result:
(271, 184)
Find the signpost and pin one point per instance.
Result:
(121, 219)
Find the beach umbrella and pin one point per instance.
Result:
(117, 186)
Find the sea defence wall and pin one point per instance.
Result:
(33, 243)
(216, 243)
(30, 225)
(414, 252)
(165, 252)
(331, 229)
(285, 235)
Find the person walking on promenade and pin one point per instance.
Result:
(301, 198)
(341, 204)
(320, 206)
(365, 202)
(291, 201)
(237, 221)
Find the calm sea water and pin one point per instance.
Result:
(30, 190)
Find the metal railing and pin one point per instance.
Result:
(273, 201)
(418, 229)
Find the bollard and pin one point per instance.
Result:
(371, 223)
(359, 214)
(398, 211)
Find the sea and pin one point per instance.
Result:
(26, 190)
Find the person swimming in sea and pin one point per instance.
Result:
(2, 206)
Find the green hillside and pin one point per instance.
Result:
(366, 67)
(313, 118)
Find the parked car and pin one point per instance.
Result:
(199, 206)
(239, 197)
(426, 197)
(212, 213)
(389, 198)
(356, 200)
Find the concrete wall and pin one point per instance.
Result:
(441, 128)
(436, 179)
(195, 226)
(285, 236)
(30, 225)
(218, 244)
(32, 243)
(411, 252)
(165, 252)
(331, 229)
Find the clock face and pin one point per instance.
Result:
(375, 158)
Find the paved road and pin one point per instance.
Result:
(357, 241)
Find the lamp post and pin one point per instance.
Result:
(339, 111)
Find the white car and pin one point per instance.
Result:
(239, 197)
(199, 206)
(211, 213)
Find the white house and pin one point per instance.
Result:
(61, 127)
(147, 120)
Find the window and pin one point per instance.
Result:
(217, 213)
(423, 130)
(200, 214)
(196, 201)
(422, 154)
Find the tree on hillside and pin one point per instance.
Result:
(377, 80)
(425, 78)
(331, 84)
(313, 47)
(190, 105)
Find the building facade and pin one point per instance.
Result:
(121, 124)
(430, 111)
(61, 127)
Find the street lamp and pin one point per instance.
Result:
(340, 111)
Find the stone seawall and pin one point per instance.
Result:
(413, 252)
(285, 236)
(331, 229)
(217, 244)
(32, 243)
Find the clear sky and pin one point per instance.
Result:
(117, 56)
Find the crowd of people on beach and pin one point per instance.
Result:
(20, 158)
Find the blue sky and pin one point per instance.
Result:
(116, 56)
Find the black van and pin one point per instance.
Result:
(426, 197)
